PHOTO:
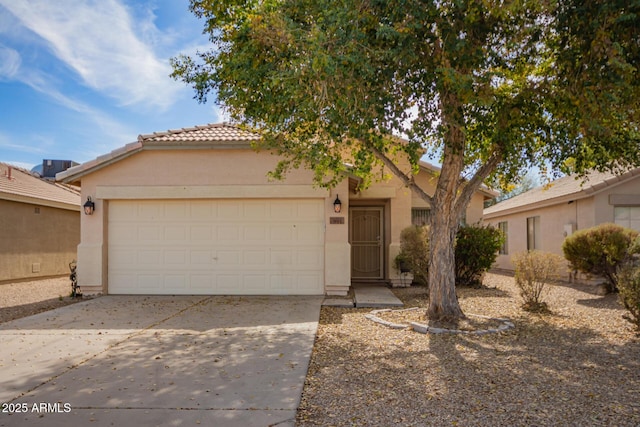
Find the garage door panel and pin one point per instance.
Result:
(228, 233)
(255, 233)
(176, 233)
(230, 247)
(228, 210)
(202, 283)
(177, 258)
(228, 259)
(150, 234)
(149, 211)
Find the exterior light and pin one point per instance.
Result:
(337, 205)
(89, 206)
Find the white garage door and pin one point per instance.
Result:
(218, 247)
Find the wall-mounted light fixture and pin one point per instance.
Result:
(337, 205)
(89, 206)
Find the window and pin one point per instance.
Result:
(503, 226)
(420, 216)
(533, 233)
(627, 216)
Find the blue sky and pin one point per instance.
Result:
(79, 78)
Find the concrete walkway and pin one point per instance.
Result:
(373, 296)
(128, 360)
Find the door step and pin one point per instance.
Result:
(366, 296)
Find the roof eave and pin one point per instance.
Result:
(39, 202)
(586, 192)
(74, 174)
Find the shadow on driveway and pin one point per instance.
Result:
(125, 360)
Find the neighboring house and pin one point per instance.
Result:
(543, 217)
(192, 211)
(39, 225)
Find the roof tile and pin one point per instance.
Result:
(220, 132)
(16, 181)
(570, 185)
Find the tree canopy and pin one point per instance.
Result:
(491, 87)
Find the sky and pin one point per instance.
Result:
(80, 78)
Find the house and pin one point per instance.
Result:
(39, 225)
(191, 211)
(543, 217)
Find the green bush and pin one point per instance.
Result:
(476, 251)
(599, 251)
(534, 270)
(414, 252)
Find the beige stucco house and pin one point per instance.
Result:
(39, 225)
(543, 217)
(192, 211)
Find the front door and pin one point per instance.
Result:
(366, 238)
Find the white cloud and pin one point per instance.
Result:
(99, 40)
(9, 62)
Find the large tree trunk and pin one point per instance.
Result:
(443, 301)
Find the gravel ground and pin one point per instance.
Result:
(26, 298)
(576, 366)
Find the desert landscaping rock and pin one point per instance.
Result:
(576, 366)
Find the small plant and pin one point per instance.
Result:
(414, 250)
(401, 263)
(600, 251)
(476, 251)
(533, 271)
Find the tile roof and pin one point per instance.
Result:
(20, 185)
(566, 188)
(220, 132)
(220, 135)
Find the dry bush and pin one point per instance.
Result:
(533, 271)
(629, 287)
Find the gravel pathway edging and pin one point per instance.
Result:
(426, 329)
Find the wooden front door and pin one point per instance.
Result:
(366, 226)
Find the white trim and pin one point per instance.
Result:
(211, 192)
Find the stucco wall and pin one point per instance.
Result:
(202, 174)
(552, 228)
(583, 213)
(36, 241)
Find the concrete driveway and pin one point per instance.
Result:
(162, 360)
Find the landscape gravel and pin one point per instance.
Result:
(30, 297)
(578, 365)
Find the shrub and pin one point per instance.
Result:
(414, 250)
(534, 270)
(629, 287)
(599, 251)
(476, 251)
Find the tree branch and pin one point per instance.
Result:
(408, 180)
(477, 179)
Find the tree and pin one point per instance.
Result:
(495, 87)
